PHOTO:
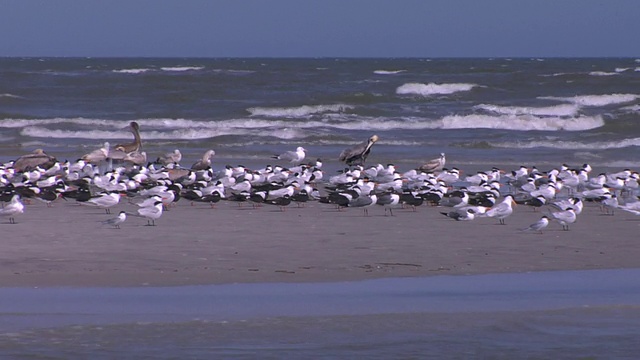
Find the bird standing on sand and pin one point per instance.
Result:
(357, 155)
(565, 218)
(151, 213)
(294, 157)
(116, 221)
(538, 225)
(502, 210)
(13, 208)
(435, 165)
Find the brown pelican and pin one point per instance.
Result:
(36, 159)
(435, 165)
(357, 155)
(137, 142)
(205, 162)
(135, 157)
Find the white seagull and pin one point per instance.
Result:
(13, 208)
(502, 210)
(116, 221)
(294, 157)
(538, 225)
(151, 213)
(565, 218)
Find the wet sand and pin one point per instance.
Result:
(66, 245)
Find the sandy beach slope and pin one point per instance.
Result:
(66, 245)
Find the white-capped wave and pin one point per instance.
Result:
(297, 112)
(570, 145)
(603, 73)
(621, 69)
(596, 100)
(175, 134)
(182, 68)
(433, 88)
(131, 71)
(388, 72)
(521, 123)
(7, 95)
(557, 110)
(631, 108)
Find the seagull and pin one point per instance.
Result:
(151, 213)
(170, 158)
(502, 210)
(13, 208)
(435, 165)
(538, 225)
(105, 200)
(294, 157)
(116, 221)
(389, 200)
(205, 162)
(460, 215)
(97, 156)
(357, 155)
(565, 218)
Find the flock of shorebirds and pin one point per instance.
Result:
(102, 177)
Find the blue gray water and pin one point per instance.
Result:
(478, 111)
(569, 314)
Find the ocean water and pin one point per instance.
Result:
(480, 112)
(547, 315)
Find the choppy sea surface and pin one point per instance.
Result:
(546, 315)
(478, 111)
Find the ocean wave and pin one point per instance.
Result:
(177, 134)
(433, 88)
(297, 112)
(388, 72)
(603, 73)
(596, 100)
(20, 123)
(131, 71)
(182, 68)
(570, 145)
(558, 110)
(11, 96)
(631, 108)
(521, 123)
(619, 70)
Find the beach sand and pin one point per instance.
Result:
(66, 245)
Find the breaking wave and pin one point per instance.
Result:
(297, 112)
(388, 72)
(522, 123)
(570, 145)
(558, 110)
(596, 100)
(182, 68)
(131, 71)
(433, 89)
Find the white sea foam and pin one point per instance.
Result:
(521, 123)
(603, 73)
(7, 95)
(176, 134)
(621, 69)
(570, 145)
(131, 71)
(596, 100)
(433, 89)
(557, 110)
(631, 108)
(182, 68)
(388, 72)
(297, 112)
